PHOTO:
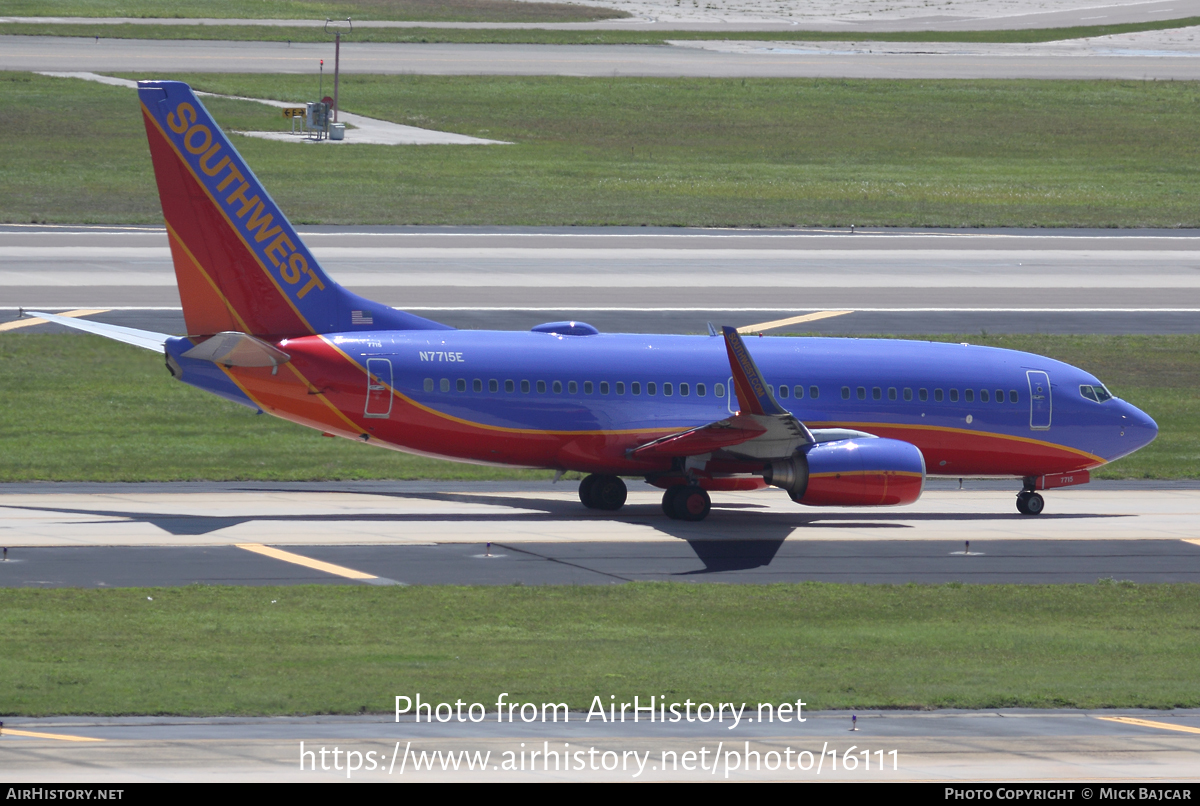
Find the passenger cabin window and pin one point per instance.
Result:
(907, 393)
(429, 384)
(937, 395)
(719, 390)
(862, 393)
(573, 387)
(461, 384)
(635, 388)
(700, 390)
(999, 395)
(783, 392)
(525, 387)
(604, 387)
(798, 392)
(814, 392)
(557, 387)
(477, 385)
(620, 387)
(1013, 397)
(587, 387)
(667, 389)
(845, 393)
(892, 393)
(509, 386)
(541, 387)
(877, 393)
(445, 385)
(969, 395)
(651, 388)
(983, 396)
(493, 386)
(923, 394)
(683, 390)
(953, 395)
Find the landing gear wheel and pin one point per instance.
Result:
(585, 490)
(608, 493)
(692, 504)
(668, 502)
(1030, 503)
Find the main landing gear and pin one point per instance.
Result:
(1030, 503)
(686, 502)
(602, 492)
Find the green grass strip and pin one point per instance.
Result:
(269, 33)
(630, 151)
(348, 649)
(82, 408)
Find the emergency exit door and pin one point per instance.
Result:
(379, 388)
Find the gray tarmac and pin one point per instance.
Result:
(166, 58)
(954, 747)
(1111, 14)
(644, 279)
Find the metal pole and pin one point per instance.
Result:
(337, 55)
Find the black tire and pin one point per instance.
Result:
(1034, 504)
(668, 501)
(1022, 500)
(692, 504)
(608, 493)
(585, 490)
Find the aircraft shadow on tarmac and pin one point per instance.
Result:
(760, 534)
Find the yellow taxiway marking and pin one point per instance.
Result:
(61, 737)
(1146, 723)
(16, 323)
(795, 320)
(307, 562)
(1193, 542)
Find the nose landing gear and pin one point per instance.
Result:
(1030, 503)
(602, 492)
(686, 502)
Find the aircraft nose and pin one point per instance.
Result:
(1137, 427)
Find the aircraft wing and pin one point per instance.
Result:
(762, 429)
(138, 338)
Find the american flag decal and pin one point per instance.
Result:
(361, 318)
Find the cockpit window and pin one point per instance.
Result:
(1097, 394)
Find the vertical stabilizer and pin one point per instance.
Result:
(239, 263)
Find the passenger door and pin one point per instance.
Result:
(1040, 403)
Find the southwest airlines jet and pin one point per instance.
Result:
(834, 422)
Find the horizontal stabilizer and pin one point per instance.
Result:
(238, 350)
(138, 338)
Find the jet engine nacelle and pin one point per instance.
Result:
(851, 473)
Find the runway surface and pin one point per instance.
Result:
(1108, 747)
(167, 58)
(665, 16)
(120, 535)
(669, 280)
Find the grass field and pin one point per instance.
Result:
(347, 649)
(425, 10)
(650, 151)
(271, 33)
(80, 408)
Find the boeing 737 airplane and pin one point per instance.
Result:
(834, 422)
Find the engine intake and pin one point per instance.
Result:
(851, 473)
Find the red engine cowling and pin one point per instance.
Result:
(851, 473)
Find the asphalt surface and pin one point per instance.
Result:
(166, 58)
(954, 747)
(669, 280)
(1114, 14)
(431, 533)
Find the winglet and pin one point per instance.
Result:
(752, 393)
